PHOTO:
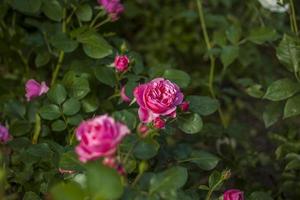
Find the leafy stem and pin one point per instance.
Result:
(293, 19)
(61, 53)
(212, 59)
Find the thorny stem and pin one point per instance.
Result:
(212, 59)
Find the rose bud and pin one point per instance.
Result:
(159, 123)
(121, 63)
(185, 106)
(233, 194)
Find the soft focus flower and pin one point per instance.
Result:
(159, 123)
(4, 134)
(35, 89)
(124, 97)
(121, 63)
(185, 106)
(99, 137)
(233, 194)
(273, 6)
(159, 97)
(113, 7)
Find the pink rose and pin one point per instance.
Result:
(124, 97)
(4, 134)
(159, 123)
(35, 89)
(185, 106)
(99, 137)
(158, 97)
(233, 194)
(113, 7)
(121, 63)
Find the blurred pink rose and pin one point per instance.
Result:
(159, 123)
(233, 194)
(35, 89)
(121, 63)
(158, 97)
(185, 106)
(113, 7)
(4, 134)
(124, 97)
(99, 137)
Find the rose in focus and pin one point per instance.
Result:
(99, 137)
(156, 98)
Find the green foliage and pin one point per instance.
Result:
(228, 59)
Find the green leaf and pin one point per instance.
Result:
(171, 179)
(272, 114)
(203, 105)
(58, 126)
(146, 149)
(190, 124)
(69, 161)
(262, 34)
(234, 33)
(281, 89)
(94, 45)
(105, 75)
(90, 104)
(288, 52)
(260, 196)
(229, 54)
(181, 78)
(103, 182)
(50, 112)
(19, 128)
(126, 117)
(255, 91)
(75, 120)
(26, 6)
(292, 107)
(214, 179)
(78, 87)
(84, 12)
(53, 10)
(57, 94)
(204, 160)
(67, 191)
(62, 42)
(42, 58)
(71, 106)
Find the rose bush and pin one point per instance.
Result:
(110, 99)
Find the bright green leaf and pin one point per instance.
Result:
(203, 105)
(190, 124)
(50, 112)
(71, 106)
(57, 94)
(292, 107)
(281, 89)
